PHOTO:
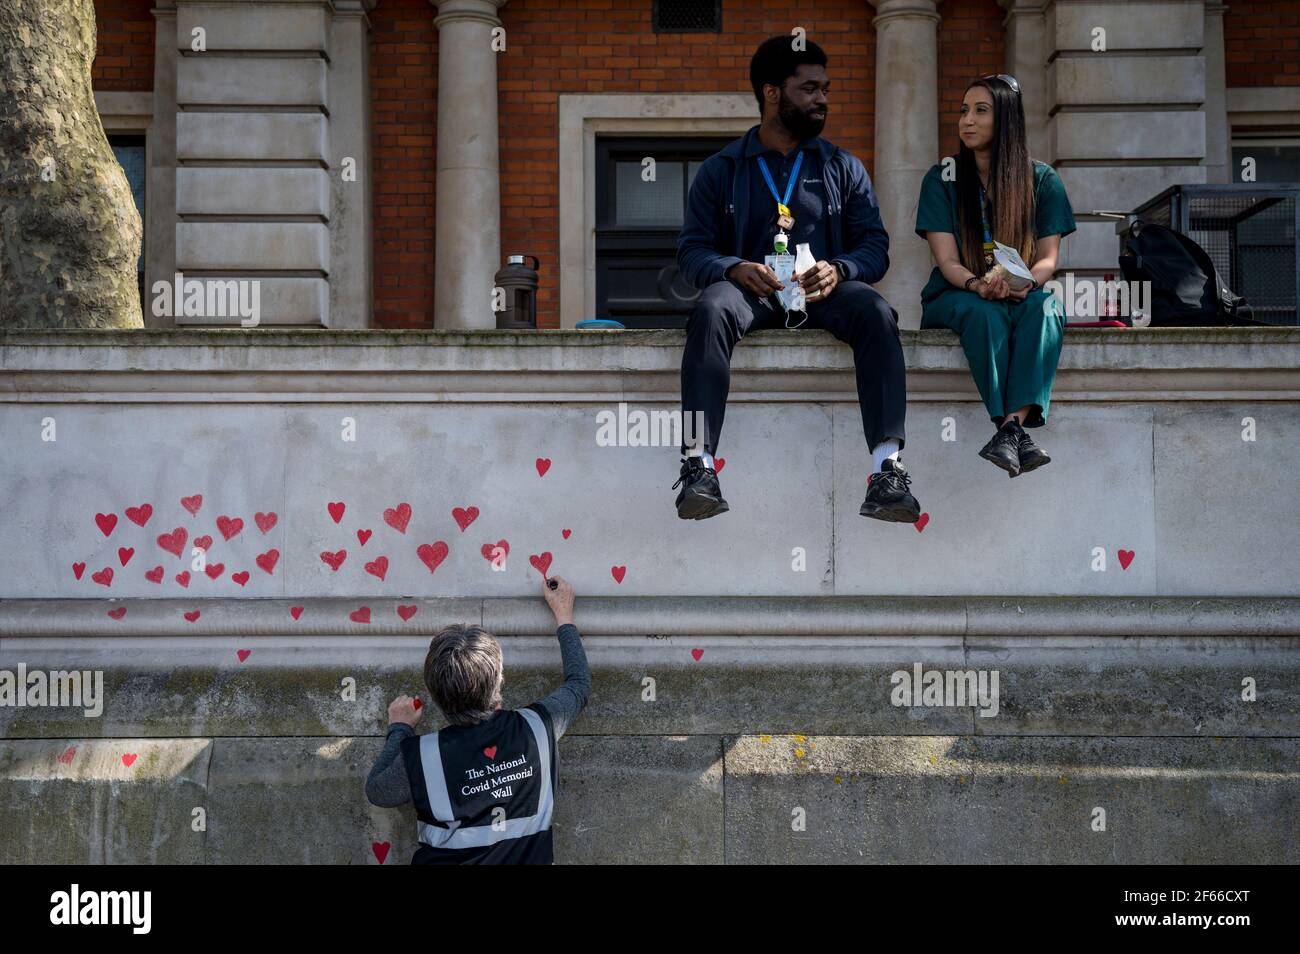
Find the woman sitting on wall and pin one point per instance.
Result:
(1012, 338)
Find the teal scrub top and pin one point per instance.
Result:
(936, 211)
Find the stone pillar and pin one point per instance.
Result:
(907, 140)
(1026, 30)
(1218, 152)
(160, 189)
(1126, 86)
(468, 229)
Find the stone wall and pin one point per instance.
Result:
(738, 684)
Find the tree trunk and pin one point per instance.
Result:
(69, 229)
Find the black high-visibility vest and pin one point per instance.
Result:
(484, 793)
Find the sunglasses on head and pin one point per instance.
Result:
(1006, 78)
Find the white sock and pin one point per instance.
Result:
(885, 450)
(705, 458)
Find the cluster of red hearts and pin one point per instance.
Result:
(175, 540)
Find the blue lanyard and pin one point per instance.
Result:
(984, 220)
(789, 186)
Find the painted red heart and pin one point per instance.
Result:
(104, 577)
(921, 521)
(266, 561)
(106, 522)
(173, 542)
(618, 572)
(543, 465)
(155, 575)
(361, 615)
(398, 517)
(698, 654)
(380, 848)
(1125, 558)
(489, 550)
(565, 533)
(117, 613)
(68, 753)
(214, 570)
(192, 615)
(406, 612)
(378, 567)
(295, 611)
(243, 654)
(125, 553)
(718, 464)
(183, 578)
(363, 536)
(229, 526)
(192, 504)
(490, 751)
(139, 515)
(541, 562)
(336, 510)
(464, 516)
(204, 543)
(432, 554)
(129, 759)
(265, 521)
(78, 569)
(335, 560)
(416, 702)
(241, 577)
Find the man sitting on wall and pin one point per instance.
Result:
(782, 181)
(484, 787)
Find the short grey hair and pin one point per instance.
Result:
(464, 674)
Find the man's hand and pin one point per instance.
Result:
(405, 709)
(755, 278)
(560, 600)
(819, 281)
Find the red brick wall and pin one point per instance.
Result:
(404, 126)
(124, 37)
(971, 44)
(1261, 42)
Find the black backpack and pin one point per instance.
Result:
(1185, 286)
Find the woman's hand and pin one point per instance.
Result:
(406, 710)
(1018, 295)
(993, 289)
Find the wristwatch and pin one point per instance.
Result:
(842, 269)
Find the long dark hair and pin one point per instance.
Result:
(1011, 183)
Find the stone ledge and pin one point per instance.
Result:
(822, 616)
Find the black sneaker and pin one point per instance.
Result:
(701, 498)
(1003, 448)
(889, 497)
(1031, 455)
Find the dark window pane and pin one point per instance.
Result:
(649, 204)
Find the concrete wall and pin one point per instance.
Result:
(1120, 689)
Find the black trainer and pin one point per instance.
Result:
(1031, 455)
(701, 498)
(889, 496)
(1003, 448)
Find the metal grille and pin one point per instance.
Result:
(688, 16)
(1248, 231)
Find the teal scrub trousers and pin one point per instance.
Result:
(1012, 347)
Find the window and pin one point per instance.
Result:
(687, 16)
(637, 223)
(130, 154)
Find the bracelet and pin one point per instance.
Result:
(973, 278)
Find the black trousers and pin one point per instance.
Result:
(854, 312)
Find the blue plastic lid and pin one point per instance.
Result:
(595, 323)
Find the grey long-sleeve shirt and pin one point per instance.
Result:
(388, 786)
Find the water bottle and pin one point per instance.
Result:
(803, 260)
